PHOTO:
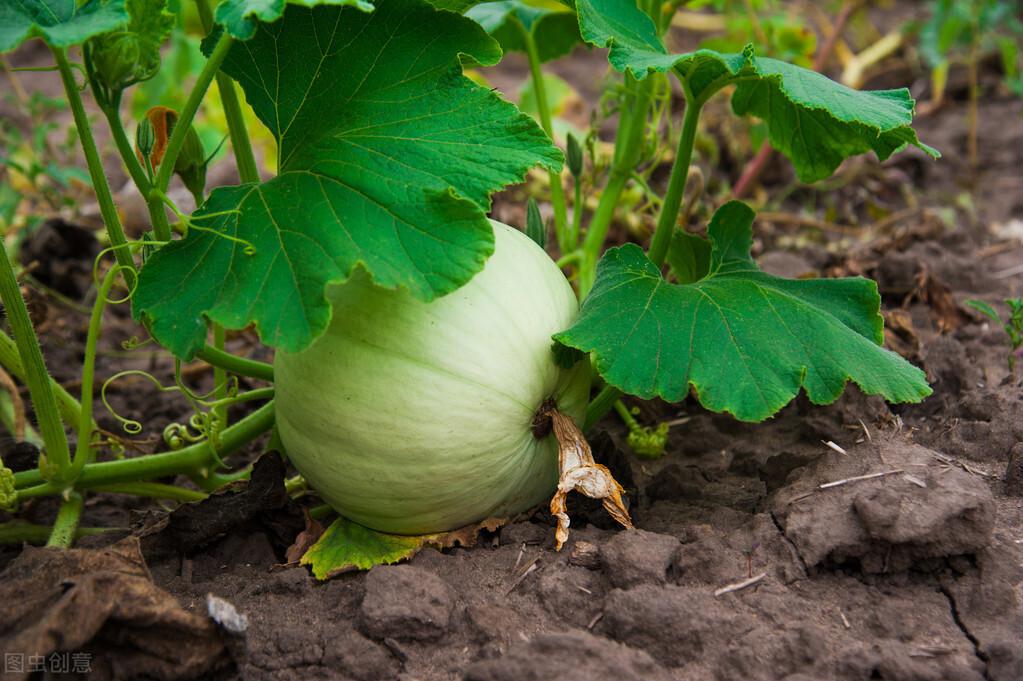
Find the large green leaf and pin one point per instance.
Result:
(61, 23)
(240, 17)
(388, 155)
(813, 120)
(554, 29)
(743, 340)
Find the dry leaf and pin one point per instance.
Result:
(103, 601)
(578, 472)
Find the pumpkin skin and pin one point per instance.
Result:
(413, 418)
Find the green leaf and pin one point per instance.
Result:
(388, 156)
(240, 17)
(813, 120)
(555, 29)
(346, 546)
(688, 256)
(130, 54)
(985, 309)
(458, 6)
(61, 23)
(743, 340)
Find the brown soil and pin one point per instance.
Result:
(915, 574)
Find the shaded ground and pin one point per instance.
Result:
(915, 574)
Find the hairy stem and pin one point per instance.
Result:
(107, 209)
(10, 359)
(543, 106)
(34, 372)
(66, 525)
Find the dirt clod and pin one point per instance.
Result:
(890, 521)
(638, 557)
(406, 602)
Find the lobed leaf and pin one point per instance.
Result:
(743, 341)
(388, 155)
(555, 31)
(61, 23)
(241, 17)
(813, 120)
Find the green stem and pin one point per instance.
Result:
(237, 365)
(676, 184)
(543, 106)
(83, 448)
(131, 162)
(10, 359)
(219, 377)
(187, 115)
(191, 459)
(248, 170)
(628, 147)
(34, 374)
(597, 232)
(627, 418)
(157, 214)
(18, 532)
(107, 209)
(66, 525)
(577, 212)
(153, 490)
(600, 405)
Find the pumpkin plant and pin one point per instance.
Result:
(433, 368)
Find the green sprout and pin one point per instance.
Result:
(646, 442)
(1013, 326)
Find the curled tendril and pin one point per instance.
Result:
(177, 435)
(248, 248)
(130, 426)
(134, 343)
(132, 279)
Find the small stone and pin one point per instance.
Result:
(637, 557)
(569, 656)
(406, 602)
(585, 554)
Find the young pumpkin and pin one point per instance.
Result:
(412, 418)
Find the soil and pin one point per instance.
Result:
(906, 566)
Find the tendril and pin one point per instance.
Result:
(134, 343)
(130, 426)
(248, 248)
(131, 280)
